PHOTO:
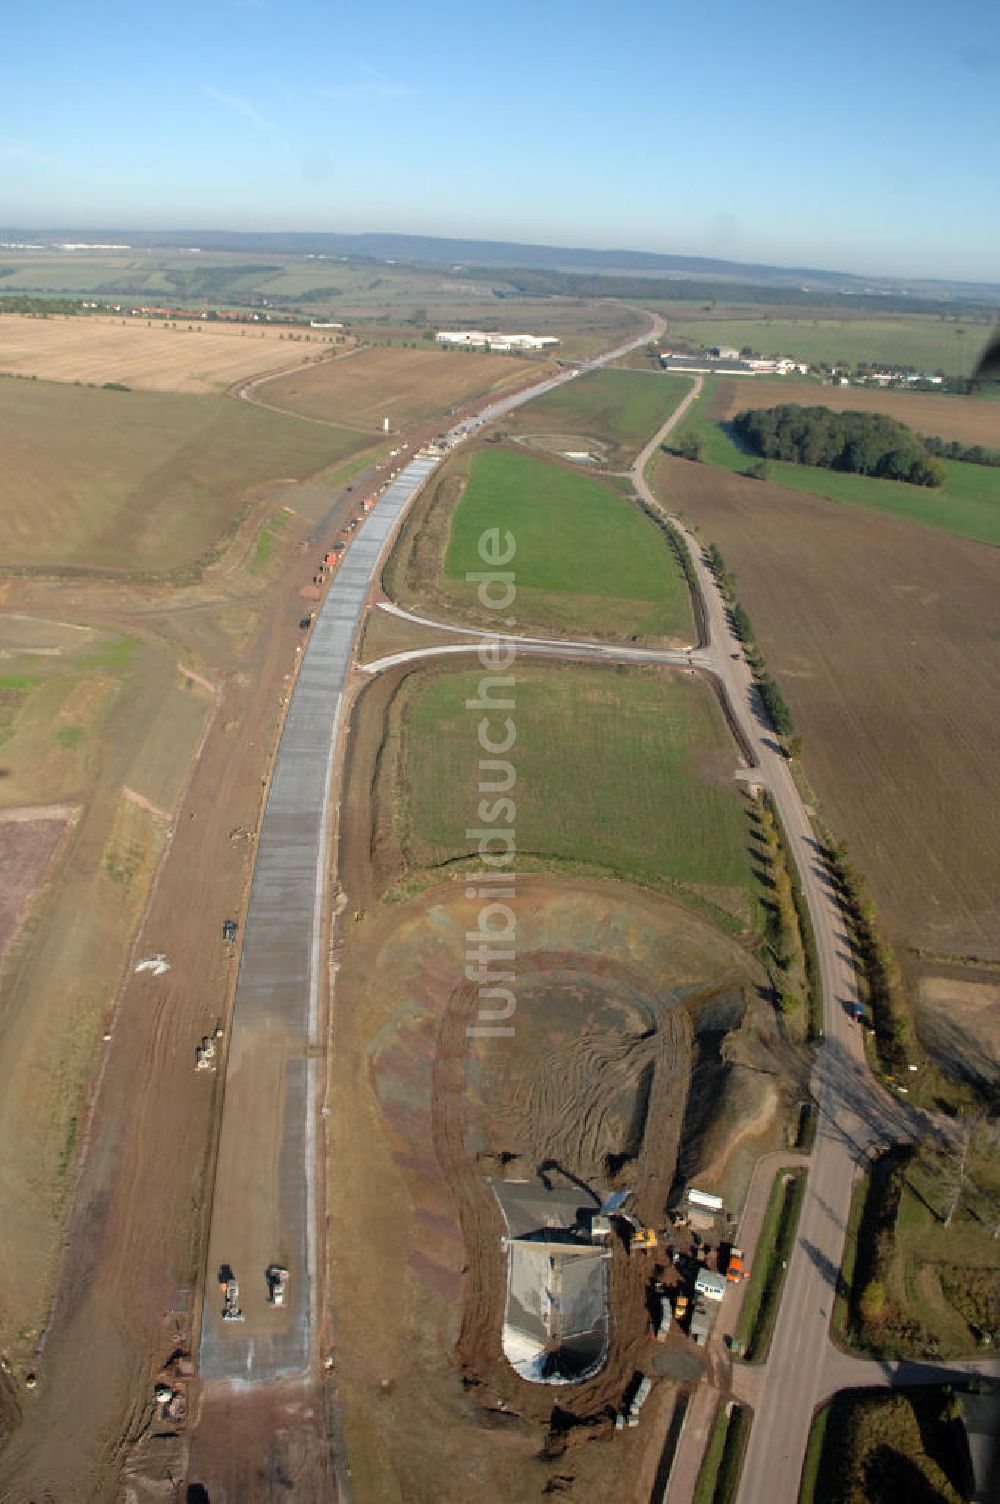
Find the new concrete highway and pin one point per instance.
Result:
(265, 1206)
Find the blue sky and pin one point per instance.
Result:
(861, 136)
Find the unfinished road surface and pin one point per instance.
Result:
(264, 1208)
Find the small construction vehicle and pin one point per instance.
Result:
(206, 1054)
(277, 1284)
(681, 1308)
(734, 1267)
(230, 929)
(642, 1237)
(231, 1309)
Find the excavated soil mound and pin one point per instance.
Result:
(622, 1000)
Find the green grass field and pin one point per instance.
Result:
(618, 771)
(968, 504)
(926, 343)
(139, 481)
(621, 409)
(586, 557)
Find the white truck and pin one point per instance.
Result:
(277, 1284)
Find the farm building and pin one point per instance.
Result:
(477, 339)
(555, 1328)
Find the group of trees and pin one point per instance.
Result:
(895, 1040)
(971, 454)
(862, 443)
(690, 446)
(773, 700)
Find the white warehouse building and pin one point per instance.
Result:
(478, 339)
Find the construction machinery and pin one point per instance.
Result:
(642, 1237)
(277, 1284)
(231, 1308)
(229, 929)
(206, 1054)
(735, 1269)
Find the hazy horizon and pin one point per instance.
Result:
(726, 132)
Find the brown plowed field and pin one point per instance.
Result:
(405, 386)
(970, 420)
(883, 639)
(194, 357)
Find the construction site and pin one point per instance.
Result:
(522, 1201)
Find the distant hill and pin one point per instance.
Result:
(434, 250)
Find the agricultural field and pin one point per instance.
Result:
(970, 420)
(152, 356)
(98, 730)
(405, 386)
(651, 748)
(138, 481)
(588, 561)
(373, 294)
(924, 342)
(613, 412)
(967, 505)
(881, 637)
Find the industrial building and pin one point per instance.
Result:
(555, 1328)
(504, 344)
(722, 360)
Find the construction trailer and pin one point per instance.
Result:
(710, 1284)
(705, 1199)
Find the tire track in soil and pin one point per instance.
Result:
(479, 1354)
